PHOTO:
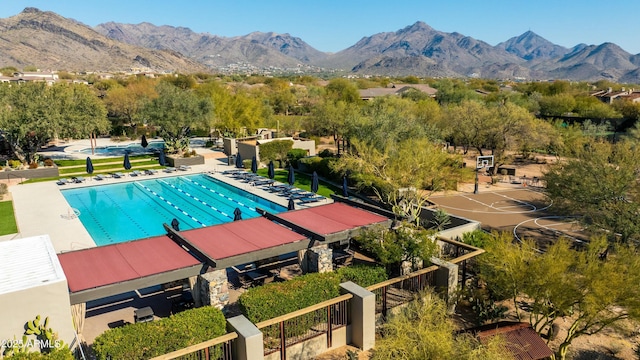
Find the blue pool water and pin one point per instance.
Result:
(127, 211)
(114, 150)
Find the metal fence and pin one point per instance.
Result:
(402, 289)
(219, 348)
(317, 320)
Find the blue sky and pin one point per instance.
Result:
(330, 25)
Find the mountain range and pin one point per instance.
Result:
(48, 40)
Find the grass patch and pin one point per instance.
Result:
(8, 225)
(120, 159)
(96, 172)
(303, 182)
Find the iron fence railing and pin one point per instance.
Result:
(219, 348)
(317, 320)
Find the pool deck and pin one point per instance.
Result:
(41, 209)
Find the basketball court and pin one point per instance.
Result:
(528, 213)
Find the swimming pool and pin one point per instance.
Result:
(113, 150)
(134, 210)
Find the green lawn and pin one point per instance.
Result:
(302, 181)
(8, 223)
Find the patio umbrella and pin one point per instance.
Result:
(345, 188)
(127, 162)
(161, 159)
(239, 161)
(89, 166)
(292, 176)
(314, 182)
(254, 165)
(237, 214)
(144, 142)
(175, 224)
(291, 205)
(271, 171)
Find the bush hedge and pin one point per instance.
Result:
(276, 299)
(320, 165)
(57, 354)
(294, 155)
(146, 340)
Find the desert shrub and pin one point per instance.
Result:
(146, 340)
(477, 238)
(48, 162)
(294, 155)
(4, 189)
(33, 165)
(56, 354)
(320, 165)
(326, 153)
(14, 164)
(275, 150)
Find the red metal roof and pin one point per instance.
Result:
(331, 218)
(99, 266)
(520, 339)
(240, 237)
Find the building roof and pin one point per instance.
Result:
(520, 338)
(332, 218)
(240, 237)
(27, 263)
(117, 263)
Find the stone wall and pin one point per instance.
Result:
(320, 259)
(214, 288)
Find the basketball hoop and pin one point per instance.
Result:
(482, 162)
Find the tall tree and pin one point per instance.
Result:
(175, 111)
(33, 114)
(601, 185)
(579, 287)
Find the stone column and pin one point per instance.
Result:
(363, 315)
(249, 345)
(447, 281)
(195, 290)
(214, 288)
(320, 259)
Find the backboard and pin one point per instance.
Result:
(484, 162)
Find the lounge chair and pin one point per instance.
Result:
(150, 172)
(78, 179)
(231, 172)
(117, 175)
(135, 173)
(184, 167)
(169, 169)
(309, 200)
(263, 182)
(62, 182)
(99, 177)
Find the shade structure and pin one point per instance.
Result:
(292, 176)
(314, 182)
(127, 162)
(271, 171)
(239, 161)
(144, 143)
(89, 166)
(345, 187)
(237, 214)
(291, 205)
(254, 165)
(161, 159)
